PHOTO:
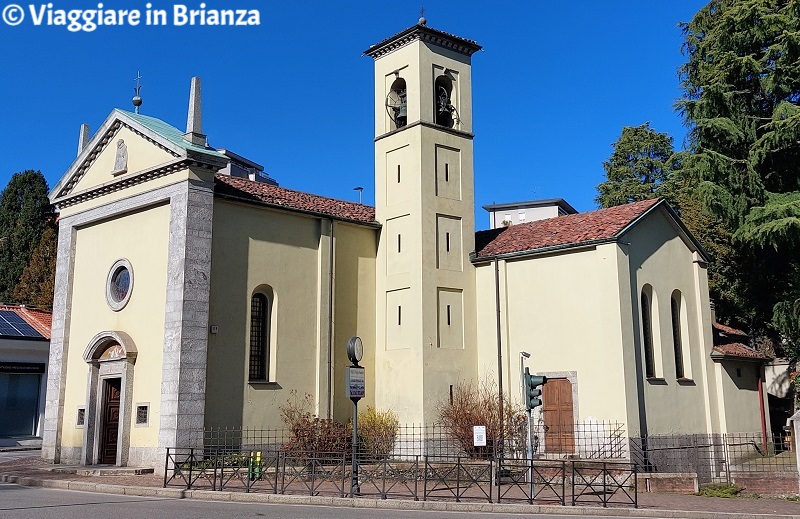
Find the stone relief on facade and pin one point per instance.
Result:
(121, 161)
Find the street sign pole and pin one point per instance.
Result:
(354, 487)
(356, 390)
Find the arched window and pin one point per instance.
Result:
(443, 105)
(647, 336)
(677, 337)
(397, 104)
(260, 317)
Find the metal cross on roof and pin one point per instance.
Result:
(137, 99)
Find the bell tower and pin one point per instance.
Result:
(424, 198)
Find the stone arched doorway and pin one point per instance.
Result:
(111, 357)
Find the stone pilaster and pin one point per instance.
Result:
(59, 342)
(186, 326)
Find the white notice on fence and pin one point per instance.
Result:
(479, 435)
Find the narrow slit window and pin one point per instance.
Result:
(399, 315)
(677, 340)
(647, 336)
(447, 241)
(398, 173)
(448, 315)
(446, 172)
(398, 243)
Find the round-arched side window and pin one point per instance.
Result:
(119, 285)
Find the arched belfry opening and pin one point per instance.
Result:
(444, 112)
(397, 104)
(111, 357)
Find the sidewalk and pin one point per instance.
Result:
(32, 472)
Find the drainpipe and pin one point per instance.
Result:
(761, 406)
(499, 346)
(330, 325)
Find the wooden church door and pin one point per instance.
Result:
(559, 422)
(110, 429)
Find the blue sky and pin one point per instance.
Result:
(552, 89)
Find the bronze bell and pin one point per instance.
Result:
(402, 112)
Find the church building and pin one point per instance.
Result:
(192, 291)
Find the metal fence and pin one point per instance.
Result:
(585, 440)
(714, 457)
(419, 477)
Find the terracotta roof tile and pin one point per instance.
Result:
(265, 194)
(736, 349)
(571, 229)
(40, 320)
(727, 330)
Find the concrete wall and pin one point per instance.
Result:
(564, 309)
(738, 386)
(97, 247)
(661, 261)
(254, 248)
(354, 309)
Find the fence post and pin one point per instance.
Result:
(191, 462)
(795, 421)
(458, 479)
(166, 468)
(425, 480)
(416, 477)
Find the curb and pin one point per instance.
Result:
(383, 504)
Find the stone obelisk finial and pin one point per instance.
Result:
(83, 139)
(194, 122)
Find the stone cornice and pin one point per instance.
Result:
(427, 35)
(118, 184)
(90, 154)
(426, 124)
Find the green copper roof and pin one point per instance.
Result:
(168, 132)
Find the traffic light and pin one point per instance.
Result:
(532, 390)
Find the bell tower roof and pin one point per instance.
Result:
(422, 32)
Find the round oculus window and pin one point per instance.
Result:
(119, 285)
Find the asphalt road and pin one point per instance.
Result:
(20, 502)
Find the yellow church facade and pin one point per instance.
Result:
(192, 294)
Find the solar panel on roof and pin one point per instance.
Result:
(13, 325)
(11, 317)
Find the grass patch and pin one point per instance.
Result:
(719, 490)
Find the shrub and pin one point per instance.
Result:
(479, 404)
(719, 490)
(311, 434)
(377, 432)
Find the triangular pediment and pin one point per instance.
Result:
(129, 149)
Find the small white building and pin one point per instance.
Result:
(503, 215)
(24, 350)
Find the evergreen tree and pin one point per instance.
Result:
(741, 88)
(37, 283)
(638, 168)
(24, 213)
